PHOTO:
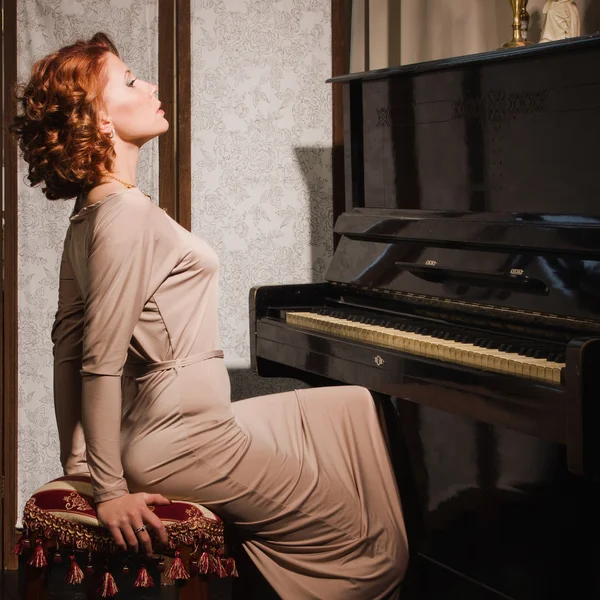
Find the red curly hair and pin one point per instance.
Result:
(58, 125)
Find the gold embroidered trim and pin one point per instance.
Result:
(205, 534)
(76, 502)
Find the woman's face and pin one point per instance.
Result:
(132, 108)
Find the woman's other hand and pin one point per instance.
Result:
(126, 514)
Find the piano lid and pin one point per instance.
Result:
(476, 179)
(511, 131)
(538, 50)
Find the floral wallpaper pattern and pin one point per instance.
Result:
(261, 172)
(261, 115)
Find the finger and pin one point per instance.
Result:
(157, 525)
(130, 537)
(157, 499)
(145, 541)
(119, 541)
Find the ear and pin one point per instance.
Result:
(106, 125)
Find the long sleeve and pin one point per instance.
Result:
(132, 250)
(67, 350)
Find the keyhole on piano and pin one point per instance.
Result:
(378, 360)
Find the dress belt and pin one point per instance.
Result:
(139, 370)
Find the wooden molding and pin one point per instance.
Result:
(2, 403)
(166, 92)
(9, 306)
(184, 114)
(174, 91)
(339, 66)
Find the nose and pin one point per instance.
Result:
(153, 89)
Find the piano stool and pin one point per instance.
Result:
(60, 524)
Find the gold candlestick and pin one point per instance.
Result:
(520, 17)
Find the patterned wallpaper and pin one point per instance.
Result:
(261, 114)
(261, 172)
(44, 26)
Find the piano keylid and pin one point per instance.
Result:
(446, 350)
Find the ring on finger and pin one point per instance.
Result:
(140, 529)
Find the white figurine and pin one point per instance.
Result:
(561, 20)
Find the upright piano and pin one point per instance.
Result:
(464, 293)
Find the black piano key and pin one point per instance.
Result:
(511, 348)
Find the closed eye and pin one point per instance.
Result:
(129, 78)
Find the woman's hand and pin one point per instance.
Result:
(126, 514)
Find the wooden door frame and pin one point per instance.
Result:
(341, 11)
(174, 91)
(9, 361)
(174, 64)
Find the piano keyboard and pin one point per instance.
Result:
(490, 353)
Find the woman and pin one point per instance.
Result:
(141, 390)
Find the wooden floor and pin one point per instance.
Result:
(249, 586)
(220, 590)
(8, 589)
(441, 585)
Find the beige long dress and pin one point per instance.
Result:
(138, 368)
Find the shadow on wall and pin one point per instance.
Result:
(591, 17)
(315, 165)
(534, 33)
(314, 229)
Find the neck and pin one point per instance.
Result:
(126, 161)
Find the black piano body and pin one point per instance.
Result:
(465, 294)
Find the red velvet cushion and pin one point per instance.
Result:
(71, 498)
(63, 509)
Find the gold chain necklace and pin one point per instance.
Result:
(127, 185)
